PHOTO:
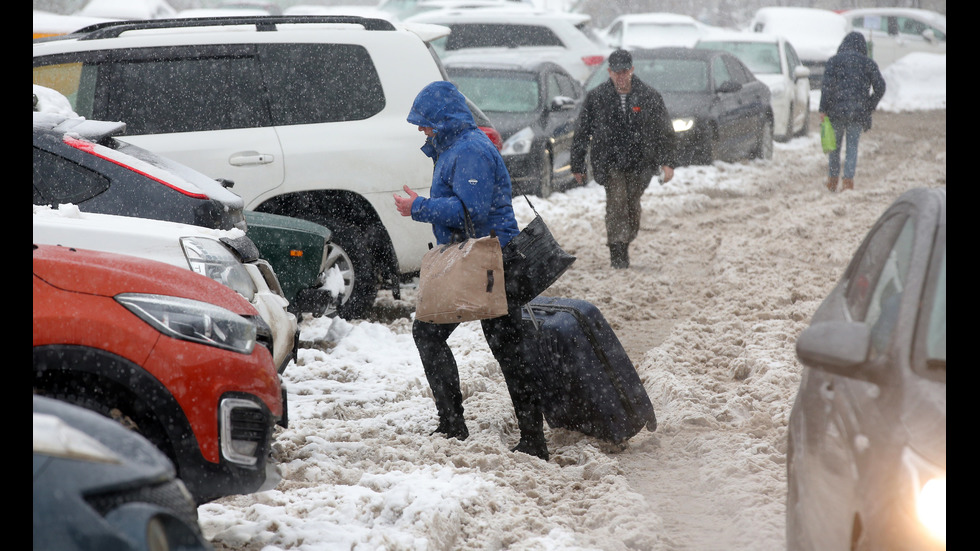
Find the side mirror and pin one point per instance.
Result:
(562, 103)
(837, 347)
(801, 71)
(728, 87)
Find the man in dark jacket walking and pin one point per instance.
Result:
(469, 176)
(625, 125)
(852, 87)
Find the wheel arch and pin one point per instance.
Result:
(353, 208)
(115, 383)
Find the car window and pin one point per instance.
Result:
(567, 87)
(936, 321)
(76, 81)
(186, 94)
(878, 279)
(760, 57)
(719, 71)
(488, 35)
(58, 180)
(315, 83)
(792, 59)
(499, 92)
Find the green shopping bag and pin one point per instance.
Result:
(827, 137)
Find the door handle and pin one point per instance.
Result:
(246, 158)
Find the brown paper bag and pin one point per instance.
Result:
(462, 282)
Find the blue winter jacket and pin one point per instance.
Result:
(852, 84)
(468, 169)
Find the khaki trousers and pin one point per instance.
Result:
(623, 192)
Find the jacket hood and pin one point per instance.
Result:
(443, 108)
(854, 42)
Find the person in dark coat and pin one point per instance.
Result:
(852, 87)
(469, 174)
(625, 127)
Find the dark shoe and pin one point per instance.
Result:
(619, 255)
(832, 183)
(456, 430)
(538, 449)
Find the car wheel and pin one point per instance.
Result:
(806, 121)
(545, 175)
(704, 152)
(788, 135)
(349, 272)
(763, 149)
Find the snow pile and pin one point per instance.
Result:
(915, 82)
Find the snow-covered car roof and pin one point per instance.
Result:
(935, 19)
(734, 36)
(504, 14)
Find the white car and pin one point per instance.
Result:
(893, 33)
(654, 30)
(773, 60)
(206, 251)
(306, 115)
(816, 34)
(562, 38)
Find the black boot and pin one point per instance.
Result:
(619, 255)
(452, 429)
(536, 446)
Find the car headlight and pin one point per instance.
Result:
(929, 491)
(192, 320)
(211, 258)
(519, 143)
(683, 124)
(930, 507)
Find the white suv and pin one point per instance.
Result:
(305, 114)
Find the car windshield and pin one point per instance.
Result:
(666, 75)
(499, 92)
(673, 75)
(760, 57)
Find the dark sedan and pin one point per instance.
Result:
(867, 436)
(533, 105)
(720, 111)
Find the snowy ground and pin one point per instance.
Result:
(731, 262)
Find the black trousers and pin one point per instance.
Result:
(505, 337)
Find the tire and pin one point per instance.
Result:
(763, 149)
(349, 256)
(806, 121)
(704, 152)
(788, 135)
(545, 185)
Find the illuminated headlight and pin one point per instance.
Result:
(192, 320)
(683, 124)
(929, 488)
(930, 507)
(519, 143)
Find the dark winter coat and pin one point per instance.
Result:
(641, 138)
(852, 84)
(468, 169)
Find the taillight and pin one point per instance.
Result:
(493, 135)
(593, 60)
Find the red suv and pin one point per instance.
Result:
(170, 353)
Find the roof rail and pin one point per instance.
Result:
(112, 29)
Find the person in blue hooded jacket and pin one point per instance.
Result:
(852, 87)
(469, 174)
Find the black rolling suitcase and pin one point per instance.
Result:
(586, 381)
